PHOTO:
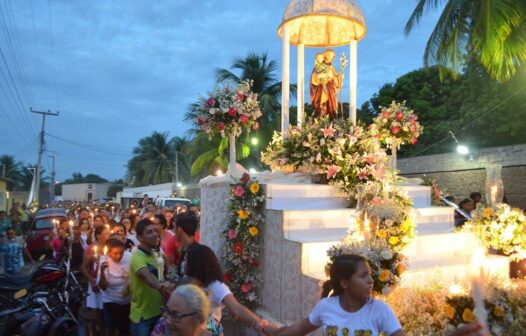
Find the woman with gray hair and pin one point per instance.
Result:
(186, 311)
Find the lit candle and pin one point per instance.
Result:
(101, 260)
(92, 219)
(366, 230)
(477, 283)
(71, 228)
(493, 195)
(386, 191)
(112, 209)
(55, 229)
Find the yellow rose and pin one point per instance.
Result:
(384, 275)
(450, 312)
(253, 231)
(499, 311)
(254, 188)
(242, 214)
(381, 234)
(468, 316)
(394, 240)
(487, 213)
(405, 226)
(400, 268)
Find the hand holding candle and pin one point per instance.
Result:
(71, 229)
(366, 230)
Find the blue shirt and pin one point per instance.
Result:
(12, 251)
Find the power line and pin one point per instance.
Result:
(95, 148)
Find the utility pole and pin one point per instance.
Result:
(52, 188)
(40, 149)
(177, 169)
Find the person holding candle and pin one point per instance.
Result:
(90, 267)
(347, 306)
(114, 277)
(146, 288)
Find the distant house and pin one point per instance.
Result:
(85, 192)
(4, 195)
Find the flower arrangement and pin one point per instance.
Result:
(386, 266)
(243, 240)
(229, 109)
(436, 193)
(343, 155)
(502, 228)
(396, 125)
(427, 311)
(393, 225)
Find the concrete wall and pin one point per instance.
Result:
(459, 176)
(79, 191)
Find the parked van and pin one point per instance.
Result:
(173, 202)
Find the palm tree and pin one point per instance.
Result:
(181, 150)
(10, 168)
(493, 30)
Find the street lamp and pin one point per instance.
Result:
(461, 149)
(254, 141)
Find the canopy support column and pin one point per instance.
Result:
(301, 84)
(353, 80)
(285, 82)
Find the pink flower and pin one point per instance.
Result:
(370, 158)
(243, 119)
(399, 116)
(386, 115)
(362, 173)
(412, 141)
(220, 126)
(332, 171)
(256, 126)
(240, 96)
(232, 234)
(246, 287)
(210, 102)
(412, 127)
(232, 112)
(376, 201)
(328, 131)
(200, 120)
(380, 172)
(395, 129)
(239, 191)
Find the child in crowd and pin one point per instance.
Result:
(347, 306)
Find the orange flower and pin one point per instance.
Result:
(487, 213)
(450, 312)
(253, 231)
(384, 275)
(381, 234)
(499, 311)
(468, 316)
(254, 188)
(400, 268)
(242, 214)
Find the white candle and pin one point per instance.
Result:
(386, 191)
(101, 260)
(92, 219)
(477, 285)
(493, 195)
(366, 230)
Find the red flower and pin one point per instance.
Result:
(412, 127)
(412, 120)
(246, 287)
(256, 126)
(386, 115)
(240, 96)
(232, 112)
(395, 129)
(227, 277)
(412, 141)
(243, 119)
(245, 178)
(238, 248)
(220, 126)
(200, 120)
(210, 102)
(399, 116)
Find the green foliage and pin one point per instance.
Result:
(114, 188)
(466, 106)
(89, 178)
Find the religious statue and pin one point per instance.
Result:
(325, 83)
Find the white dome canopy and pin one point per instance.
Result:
(323, 23)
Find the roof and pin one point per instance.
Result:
(6, 179)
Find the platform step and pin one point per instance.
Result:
(317, 219)
(440, 245)
(311, 203)
(433, 220)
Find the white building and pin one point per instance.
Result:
(85, 192)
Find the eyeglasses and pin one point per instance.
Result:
(175, 315)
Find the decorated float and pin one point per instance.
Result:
(333, 189)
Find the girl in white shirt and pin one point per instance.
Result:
(347, 306)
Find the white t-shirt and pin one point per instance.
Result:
(375, 316)
(217, 291)
(117, 275)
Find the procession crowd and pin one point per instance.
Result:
(147, 274)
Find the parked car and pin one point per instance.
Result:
(41, 231)
(173, 202)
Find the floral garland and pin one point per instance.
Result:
(229, 109)
(396, 124)
(502, 228)
(386, 266)
(343, 155)
(243, 240)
